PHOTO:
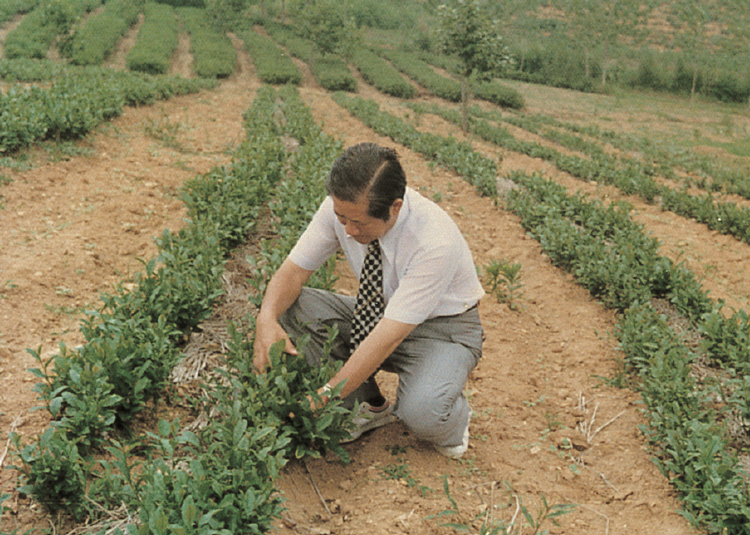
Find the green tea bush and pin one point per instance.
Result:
(156, 41)
(31, 70)
(96, 39)
(332, 72)
(382, 75)
(500, 94)
(214, 55)
(298, 46)
(272, 64)
(224, 482)
(220, 478)
(53, 472)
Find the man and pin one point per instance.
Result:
(423, 321)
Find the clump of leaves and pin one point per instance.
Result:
(53, 472)
(285, 397)
(504, 279)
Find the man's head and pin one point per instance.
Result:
(368, 171)
(367, 185)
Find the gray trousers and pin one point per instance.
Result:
(432, 363)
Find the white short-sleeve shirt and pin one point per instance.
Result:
(428, 270)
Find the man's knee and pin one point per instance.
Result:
(427, 415)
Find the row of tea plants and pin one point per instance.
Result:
(382, 75)
(156, 41)
(612, 257)
(272, 64)
(329, 70)
(631, 176)
(37, 31)
(213, 53)
(78, 100)
(95, 39)
(219, 478)
(689, 167)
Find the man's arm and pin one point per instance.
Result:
(379, 344)
(282, 290)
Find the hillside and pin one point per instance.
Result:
(546, 422)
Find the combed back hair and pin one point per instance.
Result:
(368, 169)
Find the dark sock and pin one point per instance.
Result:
(377, 401)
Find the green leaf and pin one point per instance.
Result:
(189, 511)
(159, 522)
(239, 431)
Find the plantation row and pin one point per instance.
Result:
(78, 100)
(218, 479)
(613, 258)
(632, 177)
(91, 41)
(698, 171)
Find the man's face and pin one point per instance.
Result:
(361, 226)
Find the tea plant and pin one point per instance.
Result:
(424, 74)
(37, 31)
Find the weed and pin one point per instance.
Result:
(485, 522)
(504, 280)
(9, 285)
(553, 422)
(166, 132)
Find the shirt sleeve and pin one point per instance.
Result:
(319, 241)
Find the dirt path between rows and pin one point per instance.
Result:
(545, 423)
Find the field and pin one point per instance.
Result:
(549, 422)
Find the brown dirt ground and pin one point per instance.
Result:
(545, 423)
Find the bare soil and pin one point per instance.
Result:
(546, 424)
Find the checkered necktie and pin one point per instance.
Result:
(370, 304)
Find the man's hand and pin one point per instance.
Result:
(267, 333)
(283, 288)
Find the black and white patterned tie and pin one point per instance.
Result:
(370, 304)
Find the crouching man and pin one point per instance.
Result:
(415, 313)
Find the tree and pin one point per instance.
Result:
(327, 25)
(600, 24)
(467, 31)
(694, 22)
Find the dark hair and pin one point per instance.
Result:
(368, 169)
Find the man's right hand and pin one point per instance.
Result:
(267, 333)
(282, 290)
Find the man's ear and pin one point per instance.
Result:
(396, 208)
